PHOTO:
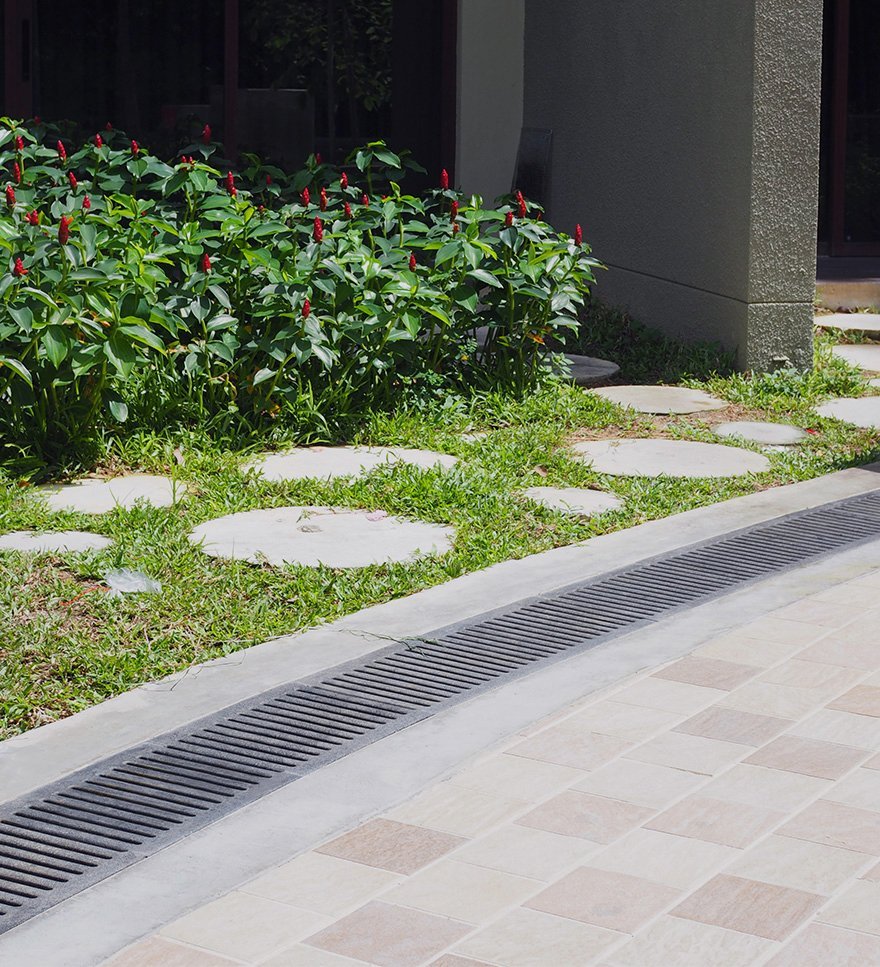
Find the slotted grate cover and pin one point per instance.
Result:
(60, 839)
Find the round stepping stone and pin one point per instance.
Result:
(333, 536)
(770, 434)
(861, 411)
(850, 321)
(573, 500)
(327, 463)
(53, 542)
(101, 496)
(591, 371)
(670, 458)
(661, 400)
(865, 356)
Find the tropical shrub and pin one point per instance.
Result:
(255, 295)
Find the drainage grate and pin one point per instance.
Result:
(65, 837)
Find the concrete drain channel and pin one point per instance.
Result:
(62, 838)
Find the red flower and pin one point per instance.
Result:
(305, 197)
(523, 211)
(135, 148)
(578, 235)
(268, 180)
(99, 141)
(205, 264)
(10, 196)
(307, 309)
(343, 181)
(453, 210)
(412, 262)
(16, 173)
(187, 161)
(71, 177)
(230, 184)
(365, 201)
(444, 179)
(62, 151)
(19, 143)
(456, 228)
(87, 203)
(317, 157)
(19, 269)
(206, 134)
(318, 231)
(508, 220)
(64, 229)
(108, 126)
(323, 199)
(32, 218)
(348, 210)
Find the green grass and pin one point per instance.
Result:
(66, 645)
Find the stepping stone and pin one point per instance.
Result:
(860, 411)
(475, 437)
(327, 463)
(591, 371)
(334, 536)
(874, 382)
(573, 500)
(670, 458)
(53, 542)
(101, 496)
(661, 400)
(866, 356)
(850, 321)
(770, 434)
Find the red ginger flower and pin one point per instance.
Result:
(206, 134)
(578, 235)
(508, 219)
(99, 141)
(523, 211)
(62, 151)
(16, 173)
(108, 126)
(268, 180)
(343, 181)
(10, 196)
(323, 199)
(135, 148)
(444, 179)
(453, 210)
(230, 183)
(305, 197)
(347, 210)
(19, 143)
(19, 269)
(365, 200)
(205, 263)
(71, 177)
(87, 203)
(456, 228)
(317, 157)
(318, 231)
(412, 262)
(64, 229)
(32, 218)
(307, 309)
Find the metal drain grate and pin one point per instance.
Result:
(65, 837)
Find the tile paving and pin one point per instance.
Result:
(723, 810)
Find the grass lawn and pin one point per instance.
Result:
(65, 644)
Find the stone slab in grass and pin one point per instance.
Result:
(53, 542)
(865, 356)
(850, 321)
(102, 496)
(770, 434)
(327, 463)
(574, 500)
(669, 458)
(333, 536)
(661, 400)
(590, 370)
(860, 411)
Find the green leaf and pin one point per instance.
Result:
(56, 343)
(447, 251)
(18, 368)
(143, 335)
(118, 410)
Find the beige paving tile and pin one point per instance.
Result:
(872, 874)
(456, 809)
(693, 753)
(733, 725)
(849, 649)
(799, 864)
(668, 696)
(782, 630)
(389, 936)
(671, 942)
(810, 757)
(516, 778)
(857, 908)
(634, 723)
(780, 701)
(855, 596)
(325, 884)
(462, 891)
(716, 821)
(525, 851)
(859, 731)
(743, 650)
(453, 960)
(159, 952)
(244, 927)
(567, 745)
(823, 946)
(872, 763)
(527, 938)
(834, 824)
(820, 612)
(825, 679)
(707, 672)
(589, 817)
(390, 845)
(762, 909)
(662, 858)
(862, 700)
(641, 783)
(611, 900)
(860, 788)
(302, 956)
(767, 788)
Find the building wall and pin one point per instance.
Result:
(686, 143)
(490, 94)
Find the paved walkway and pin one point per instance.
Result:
(723, 809)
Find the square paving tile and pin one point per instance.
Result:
(873, 874)
(641, 783)
(668, 696)
(389, 936)
(567, 745)
(860, 788)
(528, 852)
(824, 614)
(456, 809)
(733, 725)
(716, 821)
(780, 701)
(158, 952)
(590, 817)
(612, 900)
(390, 845)
(747, 651)
(862, 700)
(810, 757)
(528, 938)
(453, 960)
(847, 649)
(635, 723)
(462, 891)
(823, 946)
(693, 753)
(845, 728)
(782, 630)
(766, 788)
(857, 908)
(834, 824)
(824, 679)
(707, 672)
(516, 778)
(762, 909)
(302, 956)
